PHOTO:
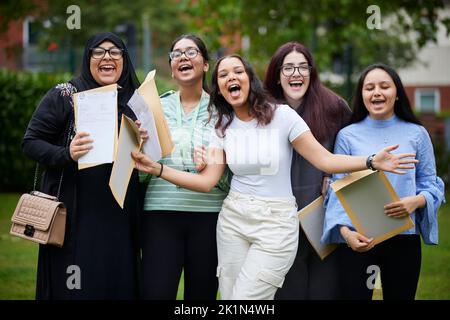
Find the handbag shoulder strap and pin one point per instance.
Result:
(66, 90)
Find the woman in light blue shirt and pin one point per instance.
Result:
(383, 116)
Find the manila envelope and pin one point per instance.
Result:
(149, 93)
(311, 220)
(129, 140)
(363, 195)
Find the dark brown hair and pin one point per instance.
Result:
(322, 109)
(259, 100)
(402, 107)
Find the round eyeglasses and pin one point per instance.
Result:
(99, 53)
(288, 70)
(189, 53)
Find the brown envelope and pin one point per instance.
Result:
(363, 195)
(149, 93)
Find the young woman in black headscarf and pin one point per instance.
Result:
(100, 253)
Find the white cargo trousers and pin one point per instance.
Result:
(257, 239)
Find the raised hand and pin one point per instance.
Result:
(386, 161)
(80, 145)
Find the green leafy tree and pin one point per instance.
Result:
(328, 27)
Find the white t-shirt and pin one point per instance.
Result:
(260, 156)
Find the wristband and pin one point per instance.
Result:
(160, 173)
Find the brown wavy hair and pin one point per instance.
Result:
(259, 101)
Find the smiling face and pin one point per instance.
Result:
(233, 82)
(296, 85)
(106, 70)
(379, 94)
(188, 70)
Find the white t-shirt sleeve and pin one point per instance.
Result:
(215, 141)
(295, 124)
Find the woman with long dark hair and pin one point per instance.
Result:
(292, 78)
(382, 114)
(257, 229)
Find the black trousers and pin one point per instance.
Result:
(310, 278)
(173, 241)
(398, 260)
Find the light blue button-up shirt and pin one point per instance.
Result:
(369, 136)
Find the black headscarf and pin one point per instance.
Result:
(128, 79)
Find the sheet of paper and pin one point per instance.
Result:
(311, 220)
(363, 195)
(96, 114)
(149, 93)
(151, 147)
(129, 140)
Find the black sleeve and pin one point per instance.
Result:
(47, 131)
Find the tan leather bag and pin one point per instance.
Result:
(41, 218)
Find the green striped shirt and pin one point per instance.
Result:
(163, 195)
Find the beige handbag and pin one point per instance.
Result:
(41, 218)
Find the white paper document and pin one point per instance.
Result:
(151, 147)
(96, 114)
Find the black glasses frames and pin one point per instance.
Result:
(99, 53)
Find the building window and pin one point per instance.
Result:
(428, 100)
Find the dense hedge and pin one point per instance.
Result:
(20, 93)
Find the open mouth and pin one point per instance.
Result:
(235, 90)
(184, 68)
(378, 102)
(107, 68)
(296, 84)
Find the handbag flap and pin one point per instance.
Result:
(36, 211)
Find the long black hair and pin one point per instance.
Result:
(259, 101)
(402, 106)
(203, 51)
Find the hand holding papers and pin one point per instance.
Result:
(129, 140)
(96, 113)
(311, 220)
(363, 195)
(151, 147)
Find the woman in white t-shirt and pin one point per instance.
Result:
(257, 230)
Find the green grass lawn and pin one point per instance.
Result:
(18, 260)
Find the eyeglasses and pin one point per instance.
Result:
(288, 70)
(190, 53)
(99, 53)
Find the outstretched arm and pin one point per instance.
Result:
(201, 182)
(307, 146)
